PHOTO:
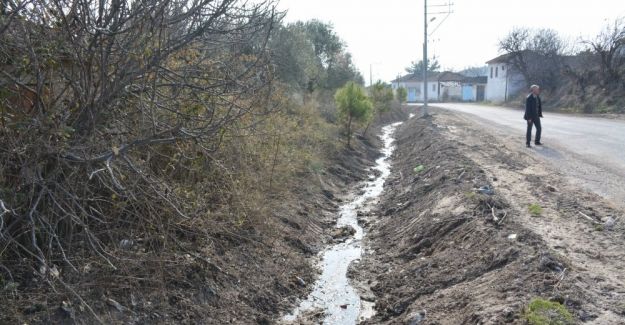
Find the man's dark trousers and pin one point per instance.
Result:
(533, 113)
(534, 121)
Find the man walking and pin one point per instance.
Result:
(533, 113)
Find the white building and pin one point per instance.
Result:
(503, 82)
(414, 86)
(444, 86)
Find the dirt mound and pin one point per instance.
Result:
(448, 248)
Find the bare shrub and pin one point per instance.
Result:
(112, 118)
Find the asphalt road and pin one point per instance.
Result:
(589, 150)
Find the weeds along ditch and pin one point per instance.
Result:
(165, 161)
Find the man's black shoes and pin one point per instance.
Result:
(528, 145)
(538, 143)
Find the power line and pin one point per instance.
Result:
(425, 43)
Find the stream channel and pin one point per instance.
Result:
(332, 293)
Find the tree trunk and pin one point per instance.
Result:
(367, 128)
(349, 131)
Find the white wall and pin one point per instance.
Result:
(502, 83)
(432, 89)
(453, 90)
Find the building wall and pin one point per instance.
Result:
(502, 83)
(450, 91)
(455, 91)
(468, 93)
(415, 90)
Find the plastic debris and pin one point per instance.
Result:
(486, 190)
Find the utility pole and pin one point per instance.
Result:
(425, 57)
(371, 72)
(425, 45)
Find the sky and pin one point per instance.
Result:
(385, 36)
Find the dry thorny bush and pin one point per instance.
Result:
(133, 123)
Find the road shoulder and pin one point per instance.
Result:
(599, 174)
(439, 246)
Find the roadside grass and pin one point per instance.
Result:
(471, 195)
(535, 210)
(545, 312)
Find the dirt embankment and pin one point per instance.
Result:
(265, 272)
(445, 252)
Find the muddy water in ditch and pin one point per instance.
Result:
(332, 293)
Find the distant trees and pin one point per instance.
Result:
(309, 55)
(416, 67)
(609, 46)
(601, 66)
(401, 95)
(474, 71)
(535, 54)
(296, 62)
(541, 56)
(381, 97)
(353, 106)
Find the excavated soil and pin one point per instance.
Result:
(444, 249)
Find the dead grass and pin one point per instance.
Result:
(185, 267)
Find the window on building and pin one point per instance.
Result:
(503, 67)
(496, 72)
(491, 72)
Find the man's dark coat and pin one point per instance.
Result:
(533, 108)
